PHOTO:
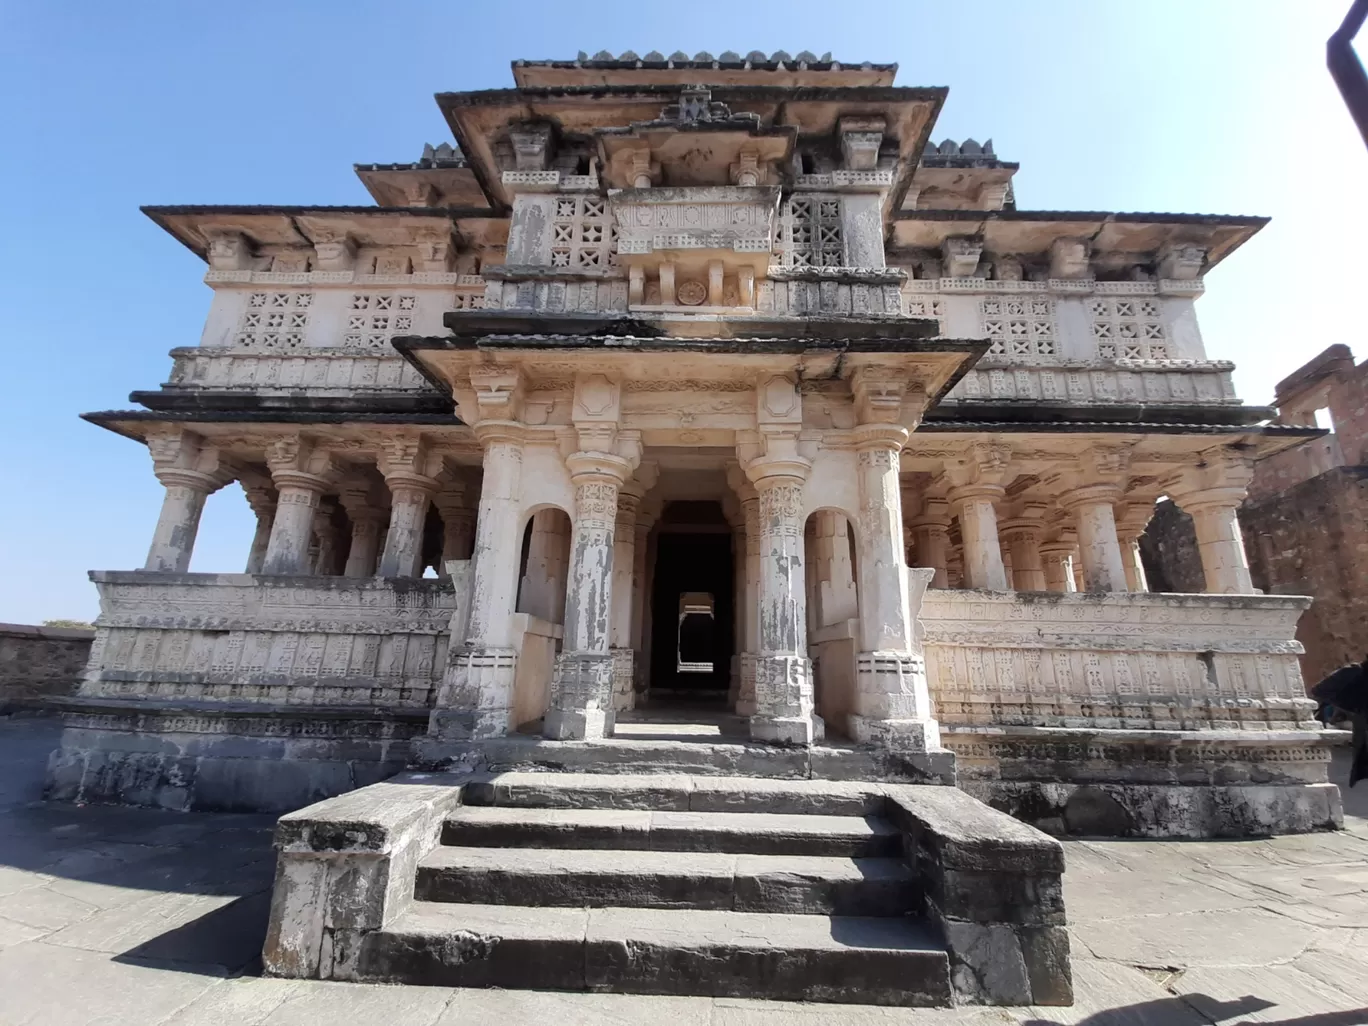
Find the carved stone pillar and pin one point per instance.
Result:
(368, 518)
(1056, 559)
(261, 496)
(457, 510)
(326, 537)
(1023, 535)
(624, 566)
(1131, 521)
(641, 601)
(976, 508)
(410, 473)
(1091, 507)
(977, 478)
(749, 598)
(1210, 494)
(931, 538)
(302, 473)
(190, 473)
(476, 699)
(582, 685)
(892, 704)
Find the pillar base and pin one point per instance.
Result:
(745, 693)
(581, 697)
(624, 696)
(916, 736)
(477, 695)
(788, 730)
(891, 686)
(784, 708)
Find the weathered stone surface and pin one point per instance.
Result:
(39, 662)
(965, 834)
(885, 961)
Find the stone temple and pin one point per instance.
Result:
(697, 383)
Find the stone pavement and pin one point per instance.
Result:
(132, 916)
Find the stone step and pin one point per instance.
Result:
(886, 961)
(801, 884)
(741, 833)
(669, 792)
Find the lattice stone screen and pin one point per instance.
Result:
(1128, 329)
(583, 233)
(1019, 325)
(810, 232)
(274, 321)
(376, 317)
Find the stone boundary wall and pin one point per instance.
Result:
(40, 662)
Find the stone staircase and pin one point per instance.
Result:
(663, 884)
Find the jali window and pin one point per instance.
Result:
(810, 232)
(1128, 329)
(1019, 326)
(583, 233)
(274, 321)
(376, 317)
(925, 306)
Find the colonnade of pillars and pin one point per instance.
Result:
(1088, 541)
(307, 522)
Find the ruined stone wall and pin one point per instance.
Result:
(1168, 550)
(37, 662)
(1312, 539)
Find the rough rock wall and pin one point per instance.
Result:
(1312, 539)
(1168, 550)
(37, 662)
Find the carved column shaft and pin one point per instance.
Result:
(1028, 569)
(1098, 546)
(582, 686)
(292, 531)
(784, 700)
(173, 542)
(403, 552)
(366, 531)
(1058, 572)
(976, 508)
(932, 541)
(476, 699)
(1219, 544)
(892, 703)
(263, 502)
(750, 601)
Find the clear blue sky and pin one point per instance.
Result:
(1215, 106)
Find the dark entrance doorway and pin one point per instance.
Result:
(692, 623)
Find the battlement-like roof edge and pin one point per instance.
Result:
(1134, 217)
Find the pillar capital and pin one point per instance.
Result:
(1097, 493)
(981, 490)
(774, 456)
(983, 463)
(297, 462)
(490, 392)
(890, 437)
(1132, 518)
(495, 432)
(183, 459)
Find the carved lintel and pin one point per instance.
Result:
(497, 393)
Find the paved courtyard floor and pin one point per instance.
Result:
(129, 916)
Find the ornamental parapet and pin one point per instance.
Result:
(1117, 661)
(286, 640)
(331, 371)
(1097, 382)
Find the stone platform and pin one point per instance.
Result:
(143, 917)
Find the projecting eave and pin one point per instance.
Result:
(285, 227)
(1137, 237)
(776, 69)
(939, 363)
(451, 183)
(137, 424)
(479, 120)
(1260, 440)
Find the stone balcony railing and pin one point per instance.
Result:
(1185, 382)
(320, 371)
(1123, 661)
(284, 641)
